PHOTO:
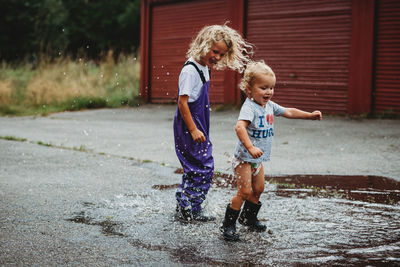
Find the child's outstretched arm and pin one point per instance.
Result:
(294, 113)
(241, 132)
(183, 106)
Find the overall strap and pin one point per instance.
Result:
(203, 79)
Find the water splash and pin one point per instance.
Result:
(310, 227)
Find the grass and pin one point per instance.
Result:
(13, 138)
(387, 114)
(44, 144)
(64, 84)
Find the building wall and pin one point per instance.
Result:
(167, 28)
(322, 51)
(172, 28)
(386, 94)
(307, 44)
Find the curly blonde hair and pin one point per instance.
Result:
(238, 52)
(252, 69)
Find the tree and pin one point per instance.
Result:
(56, 27)
(50, 20)
(101, 25)
(17, 28)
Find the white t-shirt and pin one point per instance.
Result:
(190, 82)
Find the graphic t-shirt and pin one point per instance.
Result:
(260, 129)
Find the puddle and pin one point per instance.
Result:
(315, 220)
(108, 227)
(373, 189)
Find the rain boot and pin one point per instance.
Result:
(248, 217)
(201, 216)
(228, 227)
(183, 214)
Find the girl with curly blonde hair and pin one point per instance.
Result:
(219, 47)
(236, 56)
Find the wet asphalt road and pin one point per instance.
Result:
(335, 145)
(85, 196)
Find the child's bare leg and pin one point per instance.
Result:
(258, 184)
(252, 204)
(244, 185)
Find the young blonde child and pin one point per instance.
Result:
(216, 46)
(255, 131)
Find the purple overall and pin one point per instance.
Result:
(196, 158)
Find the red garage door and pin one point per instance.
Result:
(307, 44)
(173, 26)
(387, 52)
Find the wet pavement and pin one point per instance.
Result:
(97, 188)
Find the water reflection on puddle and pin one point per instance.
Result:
(314, 221)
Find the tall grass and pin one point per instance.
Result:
(65, 84)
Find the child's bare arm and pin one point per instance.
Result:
(294, 113)
(241, 132)
(183, 106)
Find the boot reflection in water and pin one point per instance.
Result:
(255, 131)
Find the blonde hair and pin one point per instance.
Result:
(238, 52)
(252, 69)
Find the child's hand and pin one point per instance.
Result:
(316, 115)
(198, 136)
(255, 152)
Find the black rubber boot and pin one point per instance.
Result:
(183, 214)
(187, 215)
(248, 217)
(201, 216)
(228, 227)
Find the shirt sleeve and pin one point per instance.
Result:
(277, 109)
(246, 113)
(186, 83)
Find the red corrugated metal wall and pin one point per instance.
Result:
(173, 26)
(387, 51)
(307, 45)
